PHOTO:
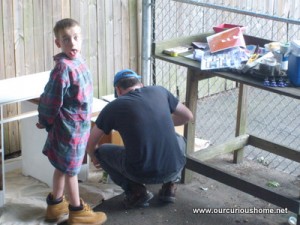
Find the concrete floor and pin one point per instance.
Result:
(202, 193)
(26, 199)
(179, 213)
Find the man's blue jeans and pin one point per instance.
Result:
(112, 160)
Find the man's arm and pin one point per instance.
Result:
(181, 115)
(95, 137)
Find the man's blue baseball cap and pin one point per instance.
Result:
(127, 73)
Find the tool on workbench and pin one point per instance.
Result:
(254, 56)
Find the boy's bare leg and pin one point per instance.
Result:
(58, 184)
(57, 205)
(72, 189)
(79, 211)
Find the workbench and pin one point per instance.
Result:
(26, 90)
(196, 159)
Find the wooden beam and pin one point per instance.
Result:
(230, 146)
(241, 120)
(292, 204)
(277, 149)
(189, 129)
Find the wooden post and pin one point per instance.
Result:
(189, 129)
(241, 120)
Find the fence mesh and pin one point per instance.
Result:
(270, 116)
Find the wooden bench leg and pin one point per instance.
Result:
(241, 121)
(189, 129)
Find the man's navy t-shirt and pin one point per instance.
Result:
(143, 119)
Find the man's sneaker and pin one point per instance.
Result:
(138, 199)
(86, 216)
(56, 211)
(167, 192)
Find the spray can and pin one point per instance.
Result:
(284, 52)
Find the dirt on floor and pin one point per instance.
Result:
(257, 173)
(204, 193)
(26, 199)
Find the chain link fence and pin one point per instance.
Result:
(270, 116)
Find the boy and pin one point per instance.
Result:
(65, 112)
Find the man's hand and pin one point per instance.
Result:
(95, 162)
(40, 126)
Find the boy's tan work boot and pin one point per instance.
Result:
(56, 211)
(86, 216)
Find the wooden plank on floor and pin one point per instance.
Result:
(229, 146)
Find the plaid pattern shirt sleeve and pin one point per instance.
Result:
(52, 98)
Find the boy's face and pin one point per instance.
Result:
(69, 40)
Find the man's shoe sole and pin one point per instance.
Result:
(167, 199)
(143, 202)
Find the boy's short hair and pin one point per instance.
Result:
(63, 24)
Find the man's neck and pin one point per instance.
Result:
(124, 92)
(132, 88)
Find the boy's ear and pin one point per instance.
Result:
(57, 43)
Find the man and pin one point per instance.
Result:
(152, 153)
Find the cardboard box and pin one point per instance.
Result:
(113, 138)
(226, 26)
(226, 39)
